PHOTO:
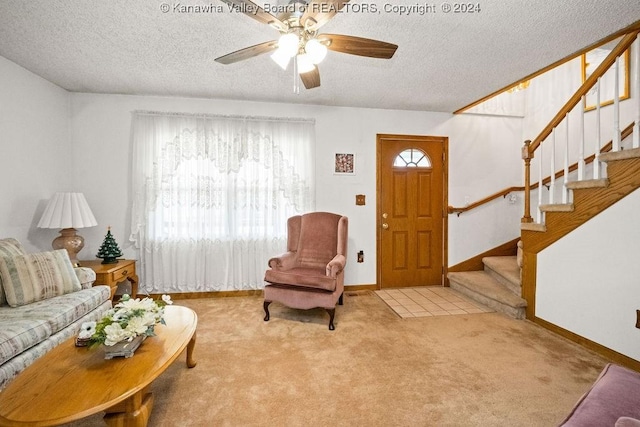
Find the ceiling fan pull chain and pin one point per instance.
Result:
(296, 80)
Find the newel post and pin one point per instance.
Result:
(527, 156)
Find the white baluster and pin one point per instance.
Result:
(581, 146)
(616, 108)
(540, 184)
(552, 184)
(636, 93)
(596, 161)
(565, 190)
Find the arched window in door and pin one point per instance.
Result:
(412, 158)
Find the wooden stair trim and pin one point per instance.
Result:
(624, 178)
(475, 263)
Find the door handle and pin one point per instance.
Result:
(385, 226)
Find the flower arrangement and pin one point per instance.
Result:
(128, 319)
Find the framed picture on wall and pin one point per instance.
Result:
(590, 61)
(344, 164)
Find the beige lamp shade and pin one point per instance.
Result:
(68, 211)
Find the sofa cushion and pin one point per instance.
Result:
(86, 276)
(19, 335)
(34, 277)
(8, 248)
(309, 277)
(615, 394)
(58, 312)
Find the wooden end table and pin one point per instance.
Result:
(112, 274)
(69, 383)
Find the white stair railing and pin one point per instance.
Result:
(612, 61)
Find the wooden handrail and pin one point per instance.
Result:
(584, 89)
(607, 147)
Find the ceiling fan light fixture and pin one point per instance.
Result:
(281, 58)
(289, 44)
(304, 63)
(315, 50)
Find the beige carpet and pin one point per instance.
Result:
(375, 369)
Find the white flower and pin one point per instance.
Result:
(120, 314)
(115, 334)
(139, 325)
(129, 318)
(87, 329)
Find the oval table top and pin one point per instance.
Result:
(69, 383)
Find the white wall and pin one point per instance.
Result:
(587, 282)
(484, 158)
(35, 149)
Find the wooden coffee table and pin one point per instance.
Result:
(69, 383)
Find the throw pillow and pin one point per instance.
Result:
(35, 277)
(8, 248)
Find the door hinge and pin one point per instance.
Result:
(444, 158)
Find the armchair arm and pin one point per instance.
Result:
(286, 261)
(336, 265)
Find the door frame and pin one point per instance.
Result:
(380, 139)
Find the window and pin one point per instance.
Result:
(412, 158)
(212, 195)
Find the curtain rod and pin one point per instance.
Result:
(223, 116)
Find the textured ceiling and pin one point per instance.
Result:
(445, 61)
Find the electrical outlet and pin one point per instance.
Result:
(513, 198)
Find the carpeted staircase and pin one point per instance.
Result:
(498, 286)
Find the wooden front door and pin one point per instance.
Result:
(412, 218)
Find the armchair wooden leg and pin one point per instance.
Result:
(332, 313)
(341, 299)
(266, 310)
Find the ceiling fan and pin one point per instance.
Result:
(299, 40)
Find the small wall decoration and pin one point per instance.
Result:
(345, 164)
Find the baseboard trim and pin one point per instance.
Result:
(360, 288)
(603, 351)
(214, 294)
(509, 248)
(244, 293)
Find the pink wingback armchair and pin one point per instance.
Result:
(311, 273)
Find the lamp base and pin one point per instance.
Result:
(70, 241)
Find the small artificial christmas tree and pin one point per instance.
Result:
(109, 249)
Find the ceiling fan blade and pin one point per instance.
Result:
(359, 46)
(254, 11)
(311, 79)
(248, 52)
(320, 12)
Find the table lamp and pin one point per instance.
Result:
(68, 211)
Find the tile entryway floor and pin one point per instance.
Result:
(429, 301)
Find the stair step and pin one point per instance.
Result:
(533, 226)
(506, 271)
(588, 183)
(612, 156)
(557, 207)
(483, 288)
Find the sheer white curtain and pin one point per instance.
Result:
(212, 194)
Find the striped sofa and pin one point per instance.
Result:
(29, 330)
